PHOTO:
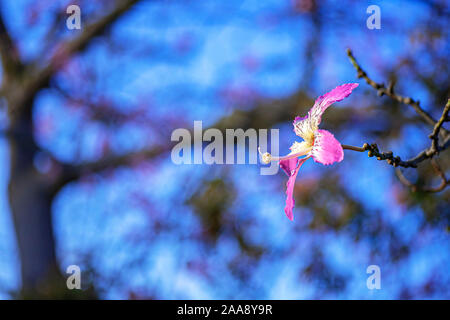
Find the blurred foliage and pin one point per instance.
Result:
(149, 229)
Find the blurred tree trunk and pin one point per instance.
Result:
(30, 192)
(30, 199)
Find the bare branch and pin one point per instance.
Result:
(70, 47)
(358, 149)
(429, 153)
(396, 161)
(382, 90)
(415, 187)
(9, 55)
(401, 177)
(441, 174)
(73, 172)
(373, 151)
(435, 134)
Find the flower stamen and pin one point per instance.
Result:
(266, 157)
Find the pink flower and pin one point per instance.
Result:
(318, 144)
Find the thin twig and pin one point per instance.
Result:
(434, 136)
(428, 153)
(382, 90)
(8, 52)
(415, 187)
(401, 177)
(39, 77)
(441, 174)
(397, 162)
(359, 149)
(373, 151)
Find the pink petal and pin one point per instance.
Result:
(297, 119)
(323, 102)
(326, 149)
(337, 94)
(292, 167)
(289, 165)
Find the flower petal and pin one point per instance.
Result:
(304, 126)
(326, 149)
(323, 102)
(291, 167)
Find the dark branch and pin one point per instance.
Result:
(70, 47)
(428, 153)
(434, 136)
(74, 172)
(415, 187)
(389, 91)
(373, 151)
(396, 161)
(9, 55)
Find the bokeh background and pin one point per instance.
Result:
(87, 179)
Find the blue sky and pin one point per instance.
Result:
(99, 214)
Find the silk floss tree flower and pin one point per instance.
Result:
(319, 144)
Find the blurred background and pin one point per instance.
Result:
(86, 176)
